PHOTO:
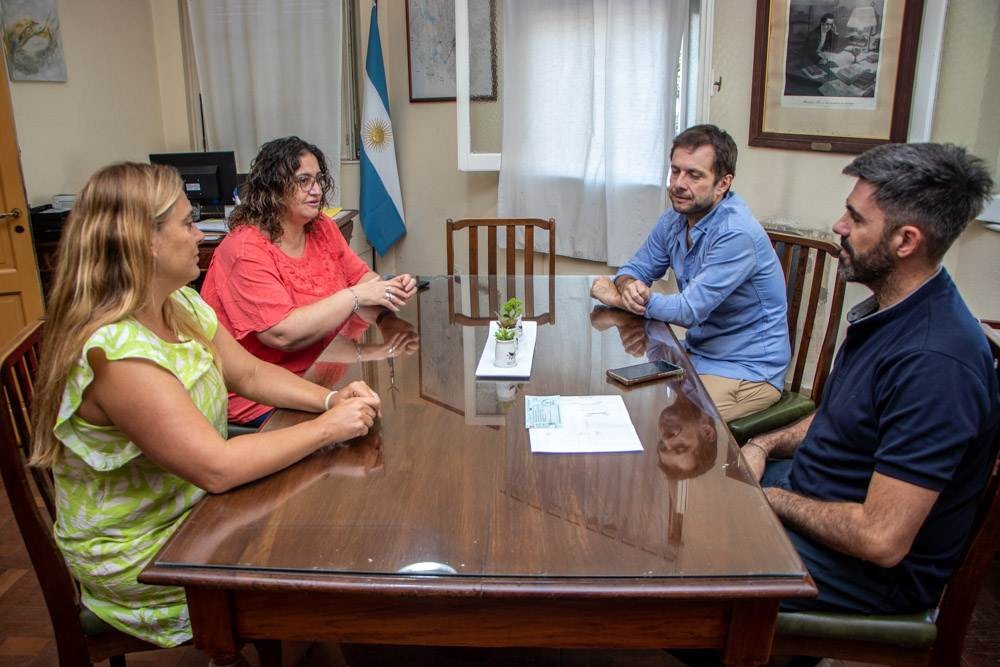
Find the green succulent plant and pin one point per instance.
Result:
(509, 312)
(513, 308)
(504, 333)
(506, 320)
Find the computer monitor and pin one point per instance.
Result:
(209, 177)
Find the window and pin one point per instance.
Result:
(242, 48)
(692, 92)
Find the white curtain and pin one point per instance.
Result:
(269, 69)
(589, 96)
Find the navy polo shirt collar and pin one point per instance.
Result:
(868, 310)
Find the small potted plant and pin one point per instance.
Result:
(506, 319)
(506, 348)
(510, 315)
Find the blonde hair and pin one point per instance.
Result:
(103, 274)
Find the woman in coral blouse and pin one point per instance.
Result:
(284, 282)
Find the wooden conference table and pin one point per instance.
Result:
(441, 528)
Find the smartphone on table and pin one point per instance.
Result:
(653, 370)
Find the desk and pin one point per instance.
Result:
(601, 550)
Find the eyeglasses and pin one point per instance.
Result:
(306, 181)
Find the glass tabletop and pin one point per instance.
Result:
(446, 484)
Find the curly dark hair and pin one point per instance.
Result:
(271, 181)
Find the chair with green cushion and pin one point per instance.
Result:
(804, 263)
(934, 637)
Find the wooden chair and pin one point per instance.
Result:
(804, 263)
(935, 637)
(493, 273)
(81, 637)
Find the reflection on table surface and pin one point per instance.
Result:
(447, 479)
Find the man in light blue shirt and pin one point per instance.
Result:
(732, 297)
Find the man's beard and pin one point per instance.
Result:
(871, 268)
(696, 207)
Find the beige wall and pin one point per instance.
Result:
(108, 109)
(967, 113)
(178, 135)
(126, 101)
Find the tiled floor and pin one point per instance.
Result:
(26, 633)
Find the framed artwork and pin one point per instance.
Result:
(833, 75)
(430, 40)
(32, 41)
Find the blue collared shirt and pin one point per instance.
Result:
(732, 297)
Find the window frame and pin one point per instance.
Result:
(350, 105)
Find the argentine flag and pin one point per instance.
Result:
(381, 200)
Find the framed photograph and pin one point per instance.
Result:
(430, 40)
(833, 75)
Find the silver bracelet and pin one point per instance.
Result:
(326, 401)
(357, 304)
(751, 443)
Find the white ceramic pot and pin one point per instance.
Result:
(506, 391)
(506, 354)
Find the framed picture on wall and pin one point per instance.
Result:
(833, 75)
(32, 40)
(430, 40)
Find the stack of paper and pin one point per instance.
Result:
(63, 202)
(579, 424)
(213, 226)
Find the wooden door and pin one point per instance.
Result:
(20, 293)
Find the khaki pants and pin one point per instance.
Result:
(738, 398)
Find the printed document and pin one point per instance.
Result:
(588, 424)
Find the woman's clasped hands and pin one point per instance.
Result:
(392, 293)
(352, 411)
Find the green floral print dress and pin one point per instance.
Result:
(115, 507)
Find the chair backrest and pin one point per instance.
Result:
(510, 226)
(18, 370)
(497, 285)
(804, 263)
(959, 598)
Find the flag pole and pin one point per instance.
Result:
(374, 254)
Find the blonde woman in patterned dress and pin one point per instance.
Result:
(131, 403)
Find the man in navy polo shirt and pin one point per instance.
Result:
(881, 487)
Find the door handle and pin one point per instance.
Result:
(11, 215)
